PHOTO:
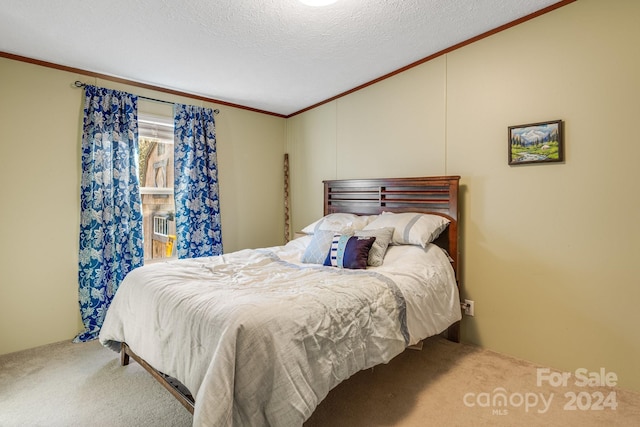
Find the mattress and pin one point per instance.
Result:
(260, 338)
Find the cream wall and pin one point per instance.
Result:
(40, 117)
(365, 135)
(550, 252)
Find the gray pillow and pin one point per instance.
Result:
(383, 239)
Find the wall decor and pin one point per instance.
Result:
(536, 143)
(287, 225)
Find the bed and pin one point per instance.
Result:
(260, 337)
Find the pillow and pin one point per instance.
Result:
(338, 223)
(383, 238)
(411, 228)
(349, 251)
(317, 250)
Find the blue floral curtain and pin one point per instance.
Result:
(111, 237)
(196, 183)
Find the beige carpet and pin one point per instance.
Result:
(438, 385)
(445, 384)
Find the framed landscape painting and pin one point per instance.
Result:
(536, 143)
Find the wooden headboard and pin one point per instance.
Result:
(436, 195)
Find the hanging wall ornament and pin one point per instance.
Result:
(286, 197)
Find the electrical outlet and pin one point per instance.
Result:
(468, 308)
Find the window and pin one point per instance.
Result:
(155, 142)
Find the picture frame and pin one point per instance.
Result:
(540, 142)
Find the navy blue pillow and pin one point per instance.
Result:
(349, 251)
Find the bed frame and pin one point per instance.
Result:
(435, 195)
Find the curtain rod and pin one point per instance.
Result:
(78, 83)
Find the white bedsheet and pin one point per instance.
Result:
(425, 277)
(260, 339)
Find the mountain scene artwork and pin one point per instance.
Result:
(536, 142)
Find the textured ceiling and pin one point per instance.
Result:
(279, 56)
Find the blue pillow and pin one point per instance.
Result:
(349, 251)
(316, 252)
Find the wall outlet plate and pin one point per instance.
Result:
(469, 307)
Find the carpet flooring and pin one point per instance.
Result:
(444, 384)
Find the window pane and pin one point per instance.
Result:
(156, 186)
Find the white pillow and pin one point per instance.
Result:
(411, 228)
(338, 223)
